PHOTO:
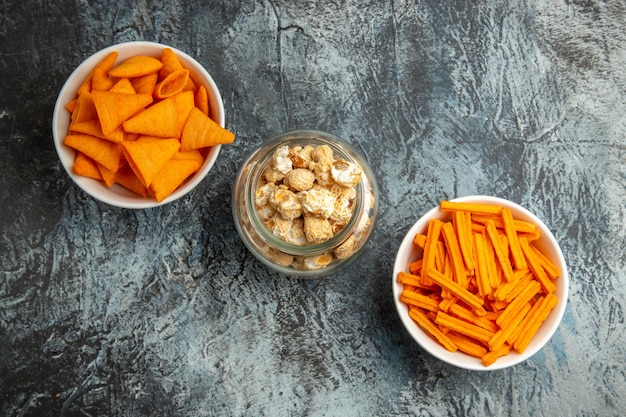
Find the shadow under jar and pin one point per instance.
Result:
(278, 241)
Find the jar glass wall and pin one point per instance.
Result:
(275, 238)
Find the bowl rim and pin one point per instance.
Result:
(460, 359)
(117, 195)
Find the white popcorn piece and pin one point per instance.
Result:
(296, 235)
(263, 193)
(318, 201)
(321, 160)
(317, 262)
(343, 210)
(346, 173)
(281, 161)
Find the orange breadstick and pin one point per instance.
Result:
(420, 240)
(534, 322)
(514, 308)
(516, 252)
(424, 322)
(463, 327)
(430, 248)
(471, 207)
(420, 300)
(467, 345)
(482, 271)
(491, 356)
(464, 235)
(456, 257)
(503, 260)
(502, 335)
(467, 315)
(535, 265)
(551, 269)
(454, 288)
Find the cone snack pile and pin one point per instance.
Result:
(143, 124)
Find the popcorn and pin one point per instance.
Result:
(346, 173)
(299, 179)
(281, 161)
(318, 201)
(285, 202)
(308, 198)
(317, 229)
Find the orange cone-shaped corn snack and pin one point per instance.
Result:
(148, 157)
(202, 100)
(123, 86)
(100, 81)
(201, 132)
(160, 119)
(126, 178)
(136, 66)
(175, 172)
(85, 166)
(172, 84)
(145, 84)
(93, 128)
(102, 151)
(115, 108)
(171, 63)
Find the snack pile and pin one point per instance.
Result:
(481, 286)
(143, 124)
(306, 196)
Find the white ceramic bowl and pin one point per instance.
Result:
(547, 244)
(117, 195)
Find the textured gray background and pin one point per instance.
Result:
(105, 311)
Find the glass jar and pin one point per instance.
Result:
(303, 260)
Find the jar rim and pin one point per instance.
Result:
(294, 138)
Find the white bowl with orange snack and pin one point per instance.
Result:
(480, 282)
(139, 124)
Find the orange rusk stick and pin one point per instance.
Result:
(513, 309)
(490, 258)
(419, 300)
(504, 333)
(551, 269)
(535, 265)
(452, 244)
(469, 298)
(467, 345)
(503, 260)
(493, 355)
(424, 322)
(534, 322)
(471, 207)
(482, 271)
(463, 327)
(520, 278)
(467, 315)
(419, 240)
(509, 228)
(464, 236)
(430, 248)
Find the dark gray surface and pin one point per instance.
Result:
(105, 311)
